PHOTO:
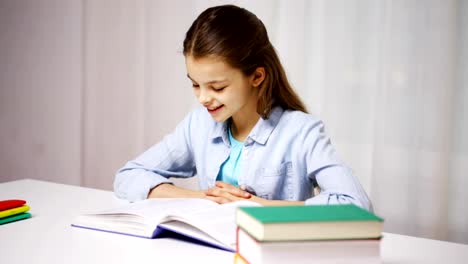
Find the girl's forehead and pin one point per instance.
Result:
(206, 61)
(209, 69)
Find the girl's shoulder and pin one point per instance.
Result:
(299, 124)
(301, 127)
(300, 118)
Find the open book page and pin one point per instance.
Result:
(216, 223)
(154, 211)
(211, 222)
(141, 218)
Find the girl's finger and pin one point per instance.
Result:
(233, 190)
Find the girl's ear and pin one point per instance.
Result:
(258, 76)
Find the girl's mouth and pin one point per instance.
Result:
(215, 110)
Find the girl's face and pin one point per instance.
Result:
(224, 91)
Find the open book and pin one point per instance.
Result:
(198, 220)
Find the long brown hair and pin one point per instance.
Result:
(240, 38)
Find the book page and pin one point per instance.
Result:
(219, 222)
(154, 211)
(197, 218)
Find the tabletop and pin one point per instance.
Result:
(47, 236)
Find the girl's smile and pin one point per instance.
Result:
(215, 110)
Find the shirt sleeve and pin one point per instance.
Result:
(339, 186)
(337, 183)
(172, 157)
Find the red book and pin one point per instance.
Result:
(8, 204)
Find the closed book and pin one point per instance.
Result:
(238, 259)
(252, 251)
(8, 204)
(14, 211)
(14, 218)
(309, 222)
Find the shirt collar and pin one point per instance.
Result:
(220, 132)
(264, 127)
(260, 133)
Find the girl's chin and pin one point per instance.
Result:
(219, 118)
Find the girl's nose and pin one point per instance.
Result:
(204, 97)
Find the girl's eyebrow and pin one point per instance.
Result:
(210, 82)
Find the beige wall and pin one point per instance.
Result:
(135, 88)
(40, 90)
(88, 85)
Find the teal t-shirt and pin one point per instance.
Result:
(230, 169)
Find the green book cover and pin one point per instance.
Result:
(310, 213)
(309, 222)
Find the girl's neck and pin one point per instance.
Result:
(242, 124)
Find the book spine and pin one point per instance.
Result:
(237, 238)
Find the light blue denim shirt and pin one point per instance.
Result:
(283, 157)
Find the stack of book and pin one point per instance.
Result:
(307, 234)
(13, 210)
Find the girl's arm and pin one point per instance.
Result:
(172, 157)
(167, 190)
(336, 180)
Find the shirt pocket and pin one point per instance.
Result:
(275, 182)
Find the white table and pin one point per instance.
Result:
(47, 237)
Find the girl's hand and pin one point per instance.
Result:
(226, 193)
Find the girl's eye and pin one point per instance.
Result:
(195, 85)
(219, 89)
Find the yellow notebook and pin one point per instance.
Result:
(14, 211)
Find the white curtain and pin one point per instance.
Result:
(387, 77)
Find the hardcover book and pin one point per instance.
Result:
(356, 251)
(309, 222)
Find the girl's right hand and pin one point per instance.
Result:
(226, 193)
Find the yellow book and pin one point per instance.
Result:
(14, 211)
(238, 259)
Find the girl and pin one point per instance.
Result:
(252, 138)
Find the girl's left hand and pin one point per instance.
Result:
(226, 193)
